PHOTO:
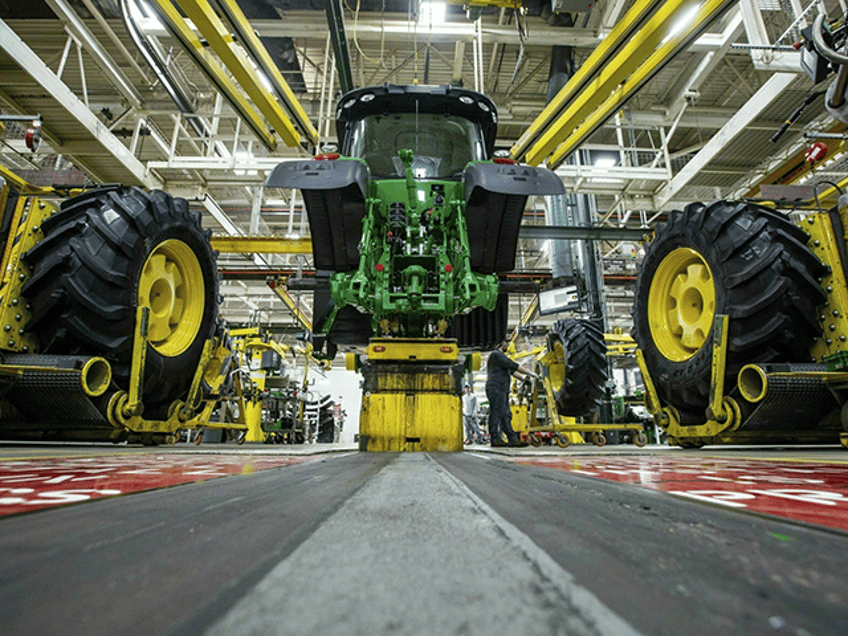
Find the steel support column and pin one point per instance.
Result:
(335, 21)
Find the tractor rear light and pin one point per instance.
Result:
(505, 161)
(446, 349)
(380, 267)
(378, 348)
(272, 284)
(327, 156)
(448, 268)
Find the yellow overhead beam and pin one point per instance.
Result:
(251, 42)
(219, 38)
(575, 130)
(260, 245)
(609, 46)
(177, 25)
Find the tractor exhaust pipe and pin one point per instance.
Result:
(786, 396)
(90, 374)
(50, 388)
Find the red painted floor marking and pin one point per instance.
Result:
(813, 492)
(33, 484)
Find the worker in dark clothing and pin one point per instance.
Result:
(499, 370)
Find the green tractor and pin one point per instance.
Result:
(414, 219)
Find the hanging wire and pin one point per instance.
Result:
(381, 62)
(523, 32)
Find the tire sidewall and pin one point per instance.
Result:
(166, 377)
(686, 374)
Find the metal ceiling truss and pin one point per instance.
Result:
(26, 59)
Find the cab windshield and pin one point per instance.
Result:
(442, 144)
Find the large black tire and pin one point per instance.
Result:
(579, 373)
(732, 258)
(105, 252)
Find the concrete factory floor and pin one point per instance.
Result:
(326, 540)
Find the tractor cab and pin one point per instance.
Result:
(446, 128)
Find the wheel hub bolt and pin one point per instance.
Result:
(833, 327)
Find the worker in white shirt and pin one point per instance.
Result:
(469, 414)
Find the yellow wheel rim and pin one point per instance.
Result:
(681, 304)
(172, 286)
(556, 371)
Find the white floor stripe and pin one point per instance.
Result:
(414, 552)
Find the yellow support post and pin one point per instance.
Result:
(253, 407)
(652, 398)
(134, 405)
(716, 410)
(411, 396)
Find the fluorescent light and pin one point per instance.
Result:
(605, 162)
(432, 13)
(684, 21)
(144, 16)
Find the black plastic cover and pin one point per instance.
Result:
(316, 174)
(513, 179)
(334, 194)
(495, 196)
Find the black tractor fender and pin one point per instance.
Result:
(316, 174)
(495, 195)
(334, 193)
